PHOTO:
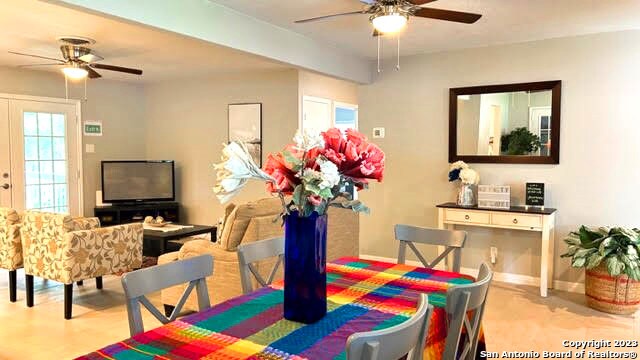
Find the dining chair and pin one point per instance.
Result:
(249, 254)
(465, 308)
(137, 284)
(394, 342)
(452, 240)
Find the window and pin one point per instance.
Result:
(321, 114)
(345, 116)
(45, 162)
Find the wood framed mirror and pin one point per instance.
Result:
(512, 123)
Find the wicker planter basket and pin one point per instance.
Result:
(615, 295)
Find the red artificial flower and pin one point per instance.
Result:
(278, 168)
(354, 156)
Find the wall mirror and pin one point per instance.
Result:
(513, 123)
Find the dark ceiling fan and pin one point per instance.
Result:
(388, 16)
(79, 60)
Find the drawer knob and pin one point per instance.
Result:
(515, 221)
(466, 217)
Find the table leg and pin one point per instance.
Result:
(552, 248)
(545, 255)
(163, 246)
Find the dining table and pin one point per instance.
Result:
(362, 295)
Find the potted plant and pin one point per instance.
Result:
(612, 261)
(520, 141)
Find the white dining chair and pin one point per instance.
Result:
(251, 253)
(465, 308)
(137, 284)
(394, 342)
(452, 240)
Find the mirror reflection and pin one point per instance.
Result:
(507, 123)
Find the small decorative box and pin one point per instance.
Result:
(494, 196)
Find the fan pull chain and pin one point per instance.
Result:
(379, 52)
(398, 63)
(85, 88)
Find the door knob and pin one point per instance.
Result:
(6, 186)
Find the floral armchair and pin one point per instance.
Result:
(10, 247)
(66, 249)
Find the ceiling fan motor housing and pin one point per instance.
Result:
(73, 52)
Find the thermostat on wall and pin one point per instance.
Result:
(378, 132)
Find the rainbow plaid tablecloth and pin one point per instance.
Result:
(363, 295)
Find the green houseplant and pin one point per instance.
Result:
(611, 257)
(520, 141)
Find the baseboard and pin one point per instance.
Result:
(498, 276)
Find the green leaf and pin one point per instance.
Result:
(578, 262)
(615, 266)
(588, 237)
(594, 260)
(355, 205)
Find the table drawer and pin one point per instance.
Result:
(510, 220)
(463, 216)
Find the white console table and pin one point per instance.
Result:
(516, 218)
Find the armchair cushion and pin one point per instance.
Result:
(237, 222)
(10, 246)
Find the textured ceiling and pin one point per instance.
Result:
(503, 21)
(31, 26)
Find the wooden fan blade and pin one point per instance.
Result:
(448, 15)
(29, 65)
(36, 56)
(92, 73)
(420, 2)
(116, 68)
(329, 16)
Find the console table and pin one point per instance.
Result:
(515, 218)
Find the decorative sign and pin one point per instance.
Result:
(92, 128)
(494, 197)
(534, 194)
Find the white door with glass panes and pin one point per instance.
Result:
(41, 171)
(540, 124)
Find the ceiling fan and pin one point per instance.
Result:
(79, 61)
(389, 16)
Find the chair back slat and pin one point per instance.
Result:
(465, 309)
(139, 283)
(396, 341)
(452, 240)
(248, 254)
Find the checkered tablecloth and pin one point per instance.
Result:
(362, 295)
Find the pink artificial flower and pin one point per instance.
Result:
(315, 200)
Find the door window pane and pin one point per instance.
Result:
(30, 124)
(44, 124)
(57, 125)
(45, 152)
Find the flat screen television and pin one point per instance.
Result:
(137, 181)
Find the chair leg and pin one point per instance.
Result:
(68, 300)
(99, 282)
(12, 285)
(80, 283)
(168, 310)
(28, 279)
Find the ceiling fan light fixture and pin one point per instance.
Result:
(389, 22)
(75, 72)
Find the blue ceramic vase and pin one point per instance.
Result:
(305, 267)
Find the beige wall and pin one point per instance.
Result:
(117, 104)
(312, 84)
(595, 183)
(187, 122)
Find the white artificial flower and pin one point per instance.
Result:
(458, 165)
(329, 174)
(308, 139)
(235, 170)
(469, 176)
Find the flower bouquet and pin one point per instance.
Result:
(317, 171)
(468, 177)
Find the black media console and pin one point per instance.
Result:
(127, 213)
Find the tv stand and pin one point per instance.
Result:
(117, 214)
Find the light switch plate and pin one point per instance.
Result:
(90, 148)
(378, 133)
